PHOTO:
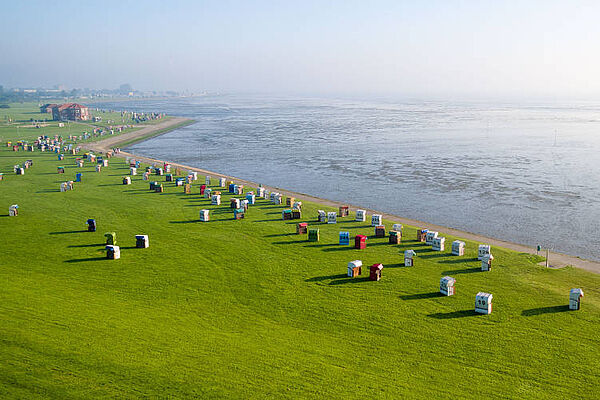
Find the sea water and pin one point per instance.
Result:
(523, 172)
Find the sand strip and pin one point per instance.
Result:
(557, 260)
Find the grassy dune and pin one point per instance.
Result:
(249, 309)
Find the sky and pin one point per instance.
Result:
(414, 48)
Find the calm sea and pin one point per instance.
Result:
(527, 173)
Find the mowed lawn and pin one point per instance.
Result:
(248, 309)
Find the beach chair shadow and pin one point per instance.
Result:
(281, 234)
(437, 255)
(458, 260)
(173, 194)
(371, 243)
(280, 206)
(420, 296)
(545, 310)
(215, 211)
(289, 242)
(325, 278)
(397, 265)
(454, 314)
(338, 248)
(347, 225)
(77, 260)
(412, 241)
(345, 281)
(462, 271)
(135, 191)
(422, 250)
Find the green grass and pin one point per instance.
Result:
(248, 309)
(15, 123)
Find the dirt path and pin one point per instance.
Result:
(557, 260)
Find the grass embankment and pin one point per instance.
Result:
(247, 308)
(155, 133)
(17, 123)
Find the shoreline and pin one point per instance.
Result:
(146, 132)
(557, 260)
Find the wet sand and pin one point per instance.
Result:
(557, 260)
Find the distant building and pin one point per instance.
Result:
(125, 89)
(70, 111)
(47, 108)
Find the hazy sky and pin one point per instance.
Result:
(481, 48)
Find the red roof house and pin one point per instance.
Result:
(70, 111)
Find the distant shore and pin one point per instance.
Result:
(557, 260)
(88, 101)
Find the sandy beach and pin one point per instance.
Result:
(557, 260)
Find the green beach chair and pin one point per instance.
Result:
(111, 238)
